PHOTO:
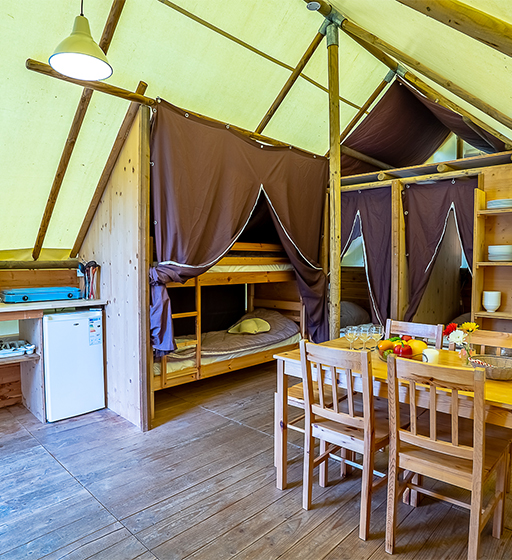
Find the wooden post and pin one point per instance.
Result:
(399, 289)
(334, 182)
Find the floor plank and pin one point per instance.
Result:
(199, 486)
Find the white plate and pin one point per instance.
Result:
(506, 258)
(502, 203)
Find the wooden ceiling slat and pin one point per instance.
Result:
(106, 38)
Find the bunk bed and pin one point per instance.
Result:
(272, 295)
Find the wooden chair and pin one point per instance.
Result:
(416, 330)
(444, 447)
(359, 429)
(489, 342)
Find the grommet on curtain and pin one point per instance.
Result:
(186, 115)
(290, 147)
(261, 146)
(359, 192)
(406, 213)
(159, 100)
(407, 186)
(155, 222)
(227, 126)
(314, 157)
(453, 181)
(154, 110)
(151, 163)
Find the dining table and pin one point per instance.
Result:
(498, 396)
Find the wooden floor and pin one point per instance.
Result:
(201, 485)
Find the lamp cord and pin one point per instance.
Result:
(82, 7)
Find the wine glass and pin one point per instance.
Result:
(377, 333)
(351, 335)
(365, 335)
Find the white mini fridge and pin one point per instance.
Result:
(73, 363)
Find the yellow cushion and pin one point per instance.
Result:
(250, 326)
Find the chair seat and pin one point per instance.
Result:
(448, 469)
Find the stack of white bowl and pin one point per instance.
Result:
(502, 203)
(500, 252)
(491, 301)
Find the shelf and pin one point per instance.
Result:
(495, 315)
(494, 212)
(493, 263)
(19, 359)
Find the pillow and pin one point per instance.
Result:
(352, 314)
(250, 326)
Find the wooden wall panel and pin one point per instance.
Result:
(441, 300)
(115, 242)
(354, 286)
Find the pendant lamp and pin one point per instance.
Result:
(78, 56)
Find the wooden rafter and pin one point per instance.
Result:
(106, 38)
(291, 80)
(363, 157)
(227, 35)
(483, 27)
(107, 170)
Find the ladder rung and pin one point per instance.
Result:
(182, 315)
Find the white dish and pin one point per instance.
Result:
(501, 203)
(498, 258)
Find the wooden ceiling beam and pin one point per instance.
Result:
(107, 170)
(291, 80)
(483, 27)
(106, 38)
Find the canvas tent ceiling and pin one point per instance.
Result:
(197, 68)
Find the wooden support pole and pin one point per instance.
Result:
(481, 26)
(291, 80)
(106, 38)
(334, 182)
(460, 148)
(107, 170)
(356, 31)
(363, 157)
(31, 265)
(398, 259)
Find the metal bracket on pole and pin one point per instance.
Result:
(332, 34)
(401, 71)
(389, 76)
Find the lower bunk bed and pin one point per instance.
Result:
(272, 299)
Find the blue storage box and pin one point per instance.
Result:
(23, 295)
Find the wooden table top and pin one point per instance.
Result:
(498, 392)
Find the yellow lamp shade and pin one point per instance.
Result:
(79, 57)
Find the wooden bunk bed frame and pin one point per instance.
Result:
(291, 308)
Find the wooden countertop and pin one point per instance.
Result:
(33, 309)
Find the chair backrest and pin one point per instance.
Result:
(333, 368)
(489, 342)
(446, 380)
(416, 330)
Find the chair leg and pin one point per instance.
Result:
(323, 473)
(346, 470)
(392, 503)
(499, 511)
(280, 441)
(366, 495)
(307, 479)
(474, 524)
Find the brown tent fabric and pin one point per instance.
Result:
(405, 128)
(368, 212)
(426, 210)
(206, 180)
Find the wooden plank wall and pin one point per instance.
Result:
(10, 385)
(116, 241)
(441, 302)
(354, 286)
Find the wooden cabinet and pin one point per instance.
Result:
(492, 227)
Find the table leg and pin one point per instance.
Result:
(281, 428)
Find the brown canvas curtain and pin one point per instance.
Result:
(206, 180)
(405, 128)
(426, 210)
(368, 213)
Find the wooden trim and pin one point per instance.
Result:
(335, 190)
(357, 31)
(268, 247)
(145, 349)
(24, 265)
(107, 170)
(483, 27)
(232, 278)
(106, 38)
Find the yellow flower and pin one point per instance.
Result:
(469, 327)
